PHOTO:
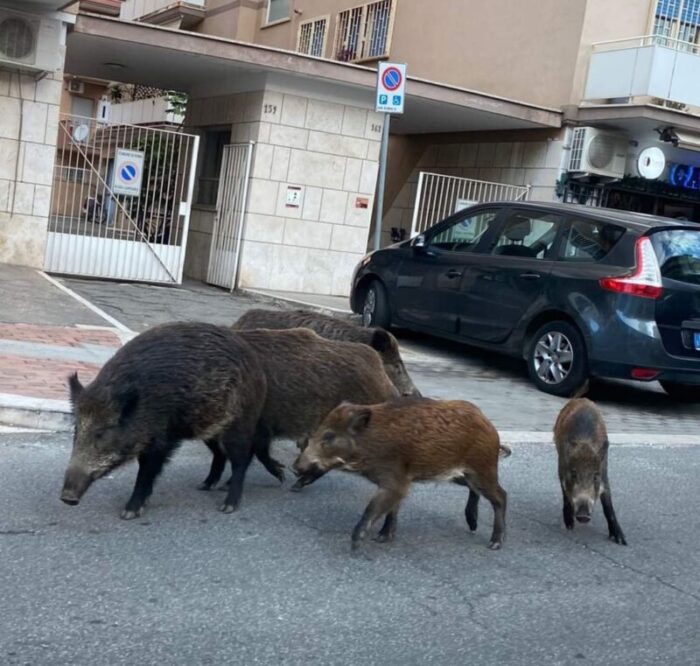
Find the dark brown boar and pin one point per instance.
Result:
(307, 376)
(411, 439)
(173, 382)
(333, 328)
(582, 447)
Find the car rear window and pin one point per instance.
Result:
(678, 252)
(590, 240)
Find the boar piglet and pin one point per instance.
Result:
(306, 377)
(332, 328)
(173, 382)
(582, 446)
(411, 439)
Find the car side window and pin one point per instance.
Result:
(590, 240)
(529, 235)
(464, 234)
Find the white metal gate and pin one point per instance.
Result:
(95, 229)
(230, 214)
(439, 196)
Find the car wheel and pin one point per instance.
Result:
(682, 392)
(556, 359)
(375, 308)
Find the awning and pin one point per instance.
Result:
(203, 65)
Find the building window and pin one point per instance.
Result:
(208, 184)
(364, 32)
(312, 37)
(677, 20)
(277, 10)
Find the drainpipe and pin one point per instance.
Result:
(565, 152)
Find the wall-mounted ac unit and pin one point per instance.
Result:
(30, 42)
(75, 86)
(597, 152)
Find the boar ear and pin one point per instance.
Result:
(381, 340)
(75, 387)
(127, 401)
(359, 420)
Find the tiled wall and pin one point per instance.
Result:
(534, 163)
(331, 151)
(28, 131)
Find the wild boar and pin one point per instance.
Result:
(173, 382)
(582, 447)
(333, 328)
(307, 376)
(411, 439)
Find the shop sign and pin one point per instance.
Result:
(684, 176)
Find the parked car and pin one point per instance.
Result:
(578, 292)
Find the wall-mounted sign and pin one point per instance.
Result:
(685, 176)
(391, 85)
(294, 196)
(128, 172)
(361, 202)
(651, 163)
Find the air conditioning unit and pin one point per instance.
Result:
(30, 42)
(75, 86)
(597, 152)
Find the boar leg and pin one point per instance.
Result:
(614, 530)
(488, 487)
(388, 530)
(261, 446)
(568, 511)
(238, 443)
(384, 502)
(471, 511)
(150, 465)
(218, 463)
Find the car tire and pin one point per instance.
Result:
(682, 392)
(375, 306)
(556, 359)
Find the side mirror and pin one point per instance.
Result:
(419, 242)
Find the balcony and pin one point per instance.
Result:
(649, 66)
(151, 111)
(174, 13)
(364, 32)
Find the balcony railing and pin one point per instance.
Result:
(152, 111)
(364, 32)
(133, 10)
(648, 66)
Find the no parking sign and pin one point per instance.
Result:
(391, 84)
(128, 172)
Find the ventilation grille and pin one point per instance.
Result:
(601, 151)
(17, 39)
(577, 149)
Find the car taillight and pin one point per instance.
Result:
(645, 280)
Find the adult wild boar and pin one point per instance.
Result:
(307, 376)
(332, 328)
(411, 439)
(173, 382)
(582, 447)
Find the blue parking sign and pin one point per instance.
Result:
(383, 99)
(396, 100)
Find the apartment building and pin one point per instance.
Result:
(546, 99)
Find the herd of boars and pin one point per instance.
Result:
(340, 390)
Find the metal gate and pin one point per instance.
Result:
(96, 227)
(439, 196)
(231, 200)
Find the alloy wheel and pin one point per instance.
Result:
(369, 307)
(553, 357)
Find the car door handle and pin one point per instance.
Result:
(453, 273)
(530, 276)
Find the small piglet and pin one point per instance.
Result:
(410, 439)
(582, 445)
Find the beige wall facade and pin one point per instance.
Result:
(327, 149)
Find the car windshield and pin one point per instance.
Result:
(678, 252)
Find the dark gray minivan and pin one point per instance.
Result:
(577, 291)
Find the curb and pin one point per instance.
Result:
(35, 413)
(281, 300)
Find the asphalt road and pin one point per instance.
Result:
(275, 583)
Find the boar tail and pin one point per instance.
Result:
(505, 451)
(582, 391)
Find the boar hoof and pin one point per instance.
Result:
(297, 487)
(204, 486)
(495, 545)
(618, 538)
(130, 515)
(383, 538)
(227, 508)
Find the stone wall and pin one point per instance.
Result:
(28, 133)
(535, 163)
(330, 151)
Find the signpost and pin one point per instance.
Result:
(391, 87)
(128, 172)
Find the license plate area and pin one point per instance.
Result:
(696, 340)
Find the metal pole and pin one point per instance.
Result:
(379, 205)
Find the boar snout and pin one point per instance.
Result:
(302, 465)
(583, 509)
(75, 484)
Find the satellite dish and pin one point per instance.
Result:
(81, 133)
(651, 163)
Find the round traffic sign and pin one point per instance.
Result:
(128, 172)
(392, 78)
